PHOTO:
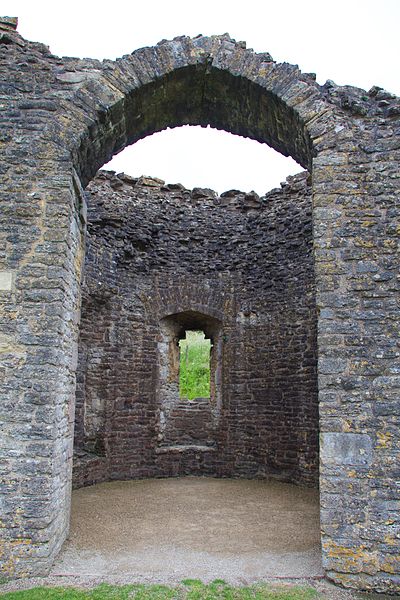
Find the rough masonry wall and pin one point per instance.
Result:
(61, 119)
(154, 250)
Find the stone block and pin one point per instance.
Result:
(6, 281)
(345, 449)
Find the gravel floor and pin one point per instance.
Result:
(237, 530)
(166, 530)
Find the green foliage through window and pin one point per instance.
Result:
(194, 366)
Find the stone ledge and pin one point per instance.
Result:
(186, 448)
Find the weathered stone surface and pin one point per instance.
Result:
(60, 121)
(6, 281)
(8, 23)
(348, 448)
(163, 252)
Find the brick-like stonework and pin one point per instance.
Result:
(61, 119)
(241, 261)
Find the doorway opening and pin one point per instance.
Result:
(237, 266)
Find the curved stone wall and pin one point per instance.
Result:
(156, 249)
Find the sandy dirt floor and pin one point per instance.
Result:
(169, 529)
(166, 530)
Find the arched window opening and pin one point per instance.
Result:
(189, 396)
(194, 365)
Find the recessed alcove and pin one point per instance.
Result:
(162, 260)
(238, 267)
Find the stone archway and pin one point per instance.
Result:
(63, 119)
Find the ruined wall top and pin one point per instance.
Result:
(9, 23)
(357, 101)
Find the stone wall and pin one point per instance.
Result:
(239, 266)
(61, 119)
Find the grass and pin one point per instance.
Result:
(194, 367)
(190, 589)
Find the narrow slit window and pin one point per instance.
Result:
(194, 366)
